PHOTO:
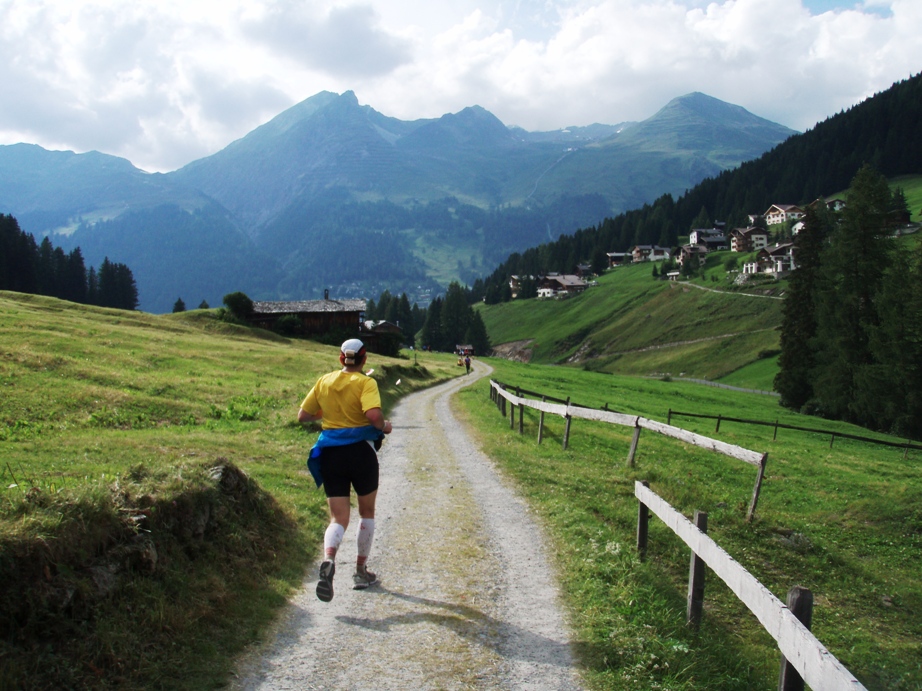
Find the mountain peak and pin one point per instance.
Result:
(473, 125)
(698, 122)
(704, 108)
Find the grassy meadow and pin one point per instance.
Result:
(170, 442)
(633, 324)
(845, 522)
(130, 556)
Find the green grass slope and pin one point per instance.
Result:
(155, 509)
(845, 522)
(633, 324)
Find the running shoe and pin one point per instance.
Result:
(362, 578)
(325, 584)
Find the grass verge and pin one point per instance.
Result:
(155, 511)
(845, 522)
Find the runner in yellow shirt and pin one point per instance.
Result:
(349, 405)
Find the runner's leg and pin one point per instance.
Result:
(339, 521)
(366, 526)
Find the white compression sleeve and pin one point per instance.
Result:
(366, 536)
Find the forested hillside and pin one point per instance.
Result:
(851, 337)
(882, 131)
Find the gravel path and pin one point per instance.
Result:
(466, 598)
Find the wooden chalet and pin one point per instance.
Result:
(649, 253)
(515, 284)
(748, 239)
(781, 213)
(686, 252)
(317, 317)
(381, 336)
(776, 260)
(555, 284)
(618, 259)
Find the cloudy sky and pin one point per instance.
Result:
(164, 82)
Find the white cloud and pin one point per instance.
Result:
(345, 41)
(163, 82)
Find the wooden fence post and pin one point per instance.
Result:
(634, 442)
(758, 488)
(775, 436)
(504, 405)
(696, 578)
(541, 423)
(512, 415)
(669, 417)
(800, 602)
(643, 524)
(832, 439)
(717, 429)
(566, 431)
(518, 392)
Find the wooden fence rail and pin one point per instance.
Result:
(500, 394)
(801, 650)
(906, 446)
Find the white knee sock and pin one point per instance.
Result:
(365, 537)
(332, 539)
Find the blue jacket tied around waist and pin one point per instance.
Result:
(339, 437)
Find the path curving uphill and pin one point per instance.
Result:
(466, 599)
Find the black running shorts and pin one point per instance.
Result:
(354, 465)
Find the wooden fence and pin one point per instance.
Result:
(804, 658)
(501, 394)
(906, 446)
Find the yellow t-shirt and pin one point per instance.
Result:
(343, 397)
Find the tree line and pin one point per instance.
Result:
(851, 335)
(443, 325)
(43, 269)
(882, 131)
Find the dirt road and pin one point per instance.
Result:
(466, 598)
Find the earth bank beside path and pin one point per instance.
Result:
(466, 598)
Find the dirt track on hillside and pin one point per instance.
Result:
(467, 598)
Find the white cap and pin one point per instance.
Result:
(351, 347)
(352, 351)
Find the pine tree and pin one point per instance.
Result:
(853, 266)
(239, 304)
(456, 316)
(18, 257)
(405, 318)
(419, 318)
(74, 279)
(45, 282)
(371, 310)
(599, 261)
(899, 207)
(893, 381)
(179, 306)
(92, 287)
(702, 220)
(432, 329)
(476, 335)
(116, 286)
(798, 324)
(384, 303)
